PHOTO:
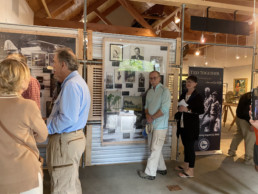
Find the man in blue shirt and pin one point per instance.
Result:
(65, 124)
(158, 101)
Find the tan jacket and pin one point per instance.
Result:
(19, 167)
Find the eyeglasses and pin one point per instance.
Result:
(153, 78)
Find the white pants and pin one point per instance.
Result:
(156, 161)
(37, 190)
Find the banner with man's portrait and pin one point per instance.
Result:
(210, 86)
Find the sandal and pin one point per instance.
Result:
(185, 175)
(179, 168)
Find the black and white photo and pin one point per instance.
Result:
(129, 76)
(116, 52)
(137, 52)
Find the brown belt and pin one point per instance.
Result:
(66, 133)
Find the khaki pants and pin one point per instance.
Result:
(156, 160)
(64, 152)
(243, 132)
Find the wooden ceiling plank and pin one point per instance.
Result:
(127, 5)
(61, 6)
(107, 11)
(95, 6)
(200, 4)
(235, 2)
(55, 8)
(78, 16)
(102, 17)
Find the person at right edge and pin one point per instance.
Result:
(65, 125)
(244, 129)
(158, 101)
(188, 125)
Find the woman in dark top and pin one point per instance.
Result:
(188, 125)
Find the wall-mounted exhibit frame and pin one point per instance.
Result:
(240, 86)
(38, 45)
(125, 85)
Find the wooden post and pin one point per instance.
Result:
(89, 45)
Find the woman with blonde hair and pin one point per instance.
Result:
(21, 126)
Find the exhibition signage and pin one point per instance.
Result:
(210, 86)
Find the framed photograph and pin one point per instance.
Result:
(137, 52)
(240, 86)
(129, 76)
(225, 88)
(116, 52)
(51, 59)
(109, 80)
(141, 80)
(38, 59)
(157, 62)
(132, 103)
(118, 76)
(113, 99)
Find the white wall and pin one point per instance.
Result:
(16, 12)
(230, 73)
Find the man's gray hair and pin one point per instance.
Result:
(67, 56)
(155, 72)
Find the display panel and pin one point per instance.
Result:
(126, 82)
(39, 50)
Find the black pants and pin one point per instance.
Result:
(188, 149)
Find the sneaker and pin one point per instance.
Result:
(231, 153)
(145, 176)
(162, 172)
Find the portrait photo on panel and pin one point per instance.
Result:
(137, 52)
(116, 52)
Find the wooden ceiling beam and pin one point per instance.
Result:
(102, 17)
(107, 11)
(152, 17)
(200, 4)
(189, 35)
(55, 8)
(127, 5)
(46, 8)
(168, 18)
(94, 27)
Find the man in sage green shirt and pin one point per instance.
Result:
(158, 101)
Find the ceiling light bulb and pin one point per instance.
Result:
(197, 53)
(206, 63)
(202, 40)
(237, 57)
(177, 19)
